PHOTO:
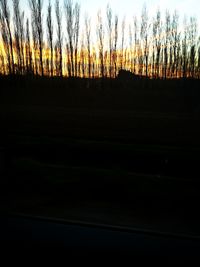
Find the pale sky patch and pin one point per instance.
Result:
(127, 8)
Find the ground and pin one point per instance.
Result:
(94, 158)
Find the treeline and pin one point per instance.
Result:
(56, 43)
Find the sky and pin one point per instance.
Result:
(128, 8)
(133, 7)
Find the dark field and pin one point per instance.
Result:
(113, 151)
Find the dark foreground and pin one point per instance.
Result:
(25, 236)
(102, 154)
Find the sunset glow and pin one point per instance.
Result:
(142, 44)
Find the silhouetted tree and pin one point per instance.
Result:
(57, 59)
(192, 44)
(115, 45)
(144, 37)
(167, 42)
(154, 46)
(76, 34)
(174, 42)
(185, 49)
(110, 39)
(69, 64)
(28, 49)
(131, 48)
(122, 42)
(46, 61)
(59, 36)
(22, 38)
(5, 43)
(95, 68)
(198, 60)
(157, 36)
(82, 58)
(35, 46)
(100, 39)
(50, 34)
(73, 27)
(2, 63)
(88, 42)
(19, 35)
(165, 51)
(6, 34)
(135, 42)
(70, 34)
(178, 57)
(36, 12)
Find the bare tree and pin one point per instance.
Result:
(2, 64)
(144, 37)
(22, 38)
(131, 48)
(6, 33)
(157, 36)
(135, 42)
(73, 27)
(88, 42)
(115, 45)
(57, 59)
(59, 36)
(82, 58)
(76, 34)
(192, 43)
(16, 34)
(100, 38)
(70, 34)
(19, 35)
(35, 47)
(198, 60)
(36, 12)
(178, 56)
(167, 41)
(28, 49)
(154, 46)
(165, 52)
(174, 42)
(94, 63)
(5, 42)
(50, 34)
(122, 42)
(110, 39)
(185, 49)
(69, 65)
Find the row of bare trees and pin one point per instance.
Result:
(55, 43)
